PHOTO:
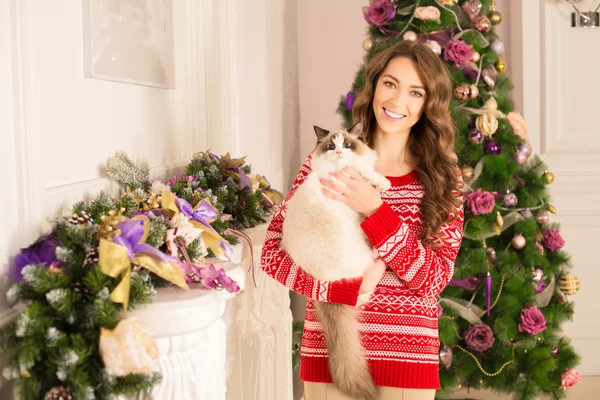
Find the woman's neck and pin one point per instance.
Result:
(394, 157)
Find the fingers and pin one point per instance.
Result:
(328, 183)
(334, 196)
(352, 173)
(346, 180)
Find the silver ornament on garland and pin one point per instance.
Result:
(497, 46)
(520, 157)
(542, 217)
(446, 356)
(526, 214)
(491, 254)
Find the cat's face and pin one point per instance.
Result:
(343, 146)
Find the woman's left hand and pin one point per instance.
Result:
(356, 193)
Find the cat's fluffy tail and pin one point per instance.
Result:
(347, 364)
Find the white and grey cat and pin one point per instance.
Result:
(324, 237)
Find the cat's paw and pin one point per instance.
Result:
(382, 184)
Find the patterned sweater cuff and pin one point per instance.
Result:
(345, 291)
(381, 225)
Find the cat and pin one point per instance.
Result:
(323, 236)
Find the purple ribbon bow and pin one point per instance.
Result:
(244, 180)
(132, 232)
(203, 214)
(467, 283)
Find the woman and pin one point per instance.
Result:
(416, 228)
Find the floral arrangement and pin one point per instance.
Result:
(73, 337)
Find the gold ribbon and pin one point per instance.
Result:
(273, 195)
(114, 261)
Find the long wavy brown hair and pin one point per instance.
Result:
(431, 140)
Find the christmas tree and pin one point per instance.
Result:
(500, 317)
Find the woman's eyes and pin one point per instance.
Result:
(414, 93)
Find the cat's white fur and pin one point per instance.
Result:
(323, 235)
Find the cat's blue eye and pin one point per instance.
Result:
(331, 146)
(347, 145)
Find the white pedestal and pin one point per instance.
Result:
(191, 337)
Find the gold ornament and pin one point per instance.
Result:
(110, 222)
(467, 173)
(569, 284)
(552, 209)
(490, 104)
(495, 17)
(548, 177)
(367, 45)
(474, 91)
(499, 219)
(491, 374)
(476, 57)
(449, 2)
(487, 124)
(500, 65)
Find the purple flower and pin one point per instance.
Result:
(380, 12)
(173, 180)
(552, 240)
(481, 202)
(479, 337)
(156, 213)
(458, 52)
(532, 321)
(349, 100)
(208, 277)
(41, 252)
(228, 284)
(190, 179)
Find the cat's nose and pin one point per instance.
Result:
(338, 152)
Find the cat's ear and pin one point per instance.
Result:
(357, 130)
(321, 133)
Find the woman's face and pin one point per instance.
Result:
(399, 97)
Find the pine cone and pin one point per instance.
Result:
(91, 257)
(59, 393)
(81, 218)
(81, 288)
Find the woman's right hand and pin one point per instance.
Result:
(372, 276)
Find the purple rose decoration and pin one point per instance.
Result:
(479, 337)
(532, 321)
(481, 202)
(458, 52)
(228, 284)
(41, 252)
(349, 100)
(380, 12)
(552, 240)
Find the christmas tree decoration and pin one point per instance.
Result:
(446, 356)
(548, 177)
(487, 124)
(538, 275)
(91, 257)
(569, 378)
(492, 147)
(462, 92)
(499, 220)
(428, 13)
(81, 218)
(517, 123)
(479, 337)
(569, 284)
(542, 217)
(367, 45)
(518, 241)
(525, 148)
(553, 241)
(554, 352)
(552, 209)
(467, 173)
(500, 65)
(449, 2)
(434, 46)
(471, 8)
(475, 136)
(490, 104)
(520, 157)
(481, 202)
(475, 57)
(495, 17)
(491, 254)
(510, 200)
(526, 214)
(410, 35)
(59, 393)
(474, 91)
(532, 321)
(482, 24)
(489, 76)
(497, 46)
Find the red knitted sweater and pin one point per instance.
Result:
(399, 323)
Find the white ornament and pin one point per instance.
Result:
(487, 124)
(497, 46)
(434, 46)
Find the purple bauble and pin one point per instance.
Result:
(482, 24)
(520, 157)
(525, 148)
(510, 200)
(475, 136)
(492, 147)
